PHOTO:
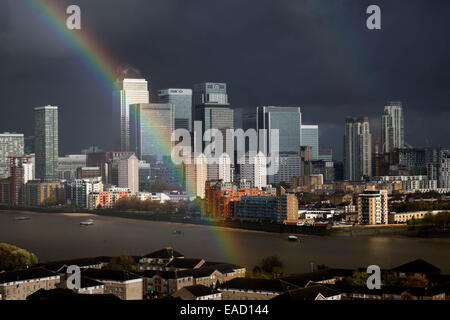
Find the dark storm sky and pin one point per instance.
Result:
(317, 54)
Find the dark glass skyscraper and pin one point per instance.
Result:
(181, 99)
(46, 142)
(288, 121)
(151, 126)
(211, 107)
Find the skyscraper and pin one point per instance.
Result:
(255, 170)
(310, 137)
(181, 99)
(220, 169)
(11, 144)
(357, 149)
(129, 91)
(128, 172)
(211, 107)
(151, 126)
(196, 174)
(287, 120)
(392, 127)
(46, 143)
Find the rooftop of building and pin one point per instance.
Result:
(309, 293)
(195, 291)
(112, 275)
(268, 285)
(417, 266)
(26, 274)
(166, 253)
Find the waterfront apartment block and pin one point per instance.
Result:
(18, 285)
(254, 289)
(373, 207)
(108, 198)
(123, 284)
(39, 193)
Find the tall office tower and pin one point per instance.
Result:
(151, 126)
(392, 127)
(255, 170)
(310, 137)
(46, 143)
(357, 149)
(196, 175)
(181, 99)
(129, 91)
(128, 172)
(211, 107)
(220, 169)
(287, 120)
(373, 207)
(11, 144)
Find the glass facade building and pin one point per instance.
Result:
(129, 91)
(211, 107)
(287, 120)
(151, 126)
(310, 137)
(46, 143)
(181, 99)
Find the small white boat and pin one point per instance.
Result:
(293, 238)
(87, 222)
(23, 218)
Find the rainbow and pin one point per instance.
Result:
(102, 66)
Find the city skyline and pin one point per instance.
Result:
(80, 98)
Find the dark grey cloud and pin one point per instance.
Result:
(314, 53)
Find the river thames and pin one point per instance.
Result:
(57, 236)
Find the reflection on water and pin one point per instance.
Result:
(53, 237)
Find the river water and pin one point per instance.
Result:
(55, 236)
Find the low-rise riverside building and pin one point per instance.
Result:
(123, 284)
(404, 217)
(197, 292)
(18, 285)
(254, 289)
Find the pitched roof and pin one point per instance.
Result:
(309, 293)
(192, 292)
(417, 266)
(114, 275)
(303, 279)
(26, 274)
(184, 263)
(165, 253)
(88, 282)
(271, 285)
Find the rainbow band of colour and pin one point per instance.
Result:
(102, 66)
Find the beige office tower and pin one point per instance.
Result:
(196, 174)
(128, 92)
(128, 172)
(255, 170)
(220, 168)
(373, 207)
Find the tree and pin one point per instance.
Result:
(272, 266)
(14, 258)
(416, 280)
(358, 278)
(123, 262)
